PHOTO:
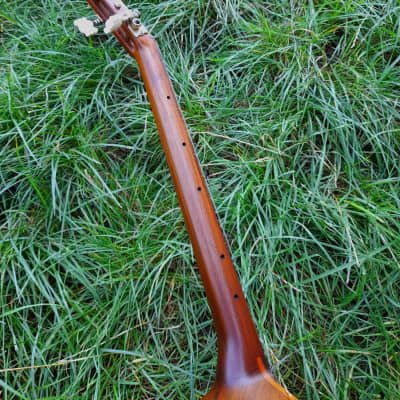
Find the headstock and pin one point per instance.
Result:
(117, 18)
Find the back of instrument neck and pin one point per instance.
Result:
(239, 346)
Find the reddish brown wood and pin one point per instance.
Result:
(242, 371)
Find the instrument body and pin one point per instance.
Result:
(242, 371)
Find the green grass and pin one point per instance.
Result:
(294, 109)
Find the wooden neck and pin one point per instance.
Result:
(242, 372)
(239, 346)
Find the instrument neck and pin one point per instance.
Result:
(239, 345)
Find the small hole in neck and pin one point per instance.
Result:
(236, 296)
(169, 97)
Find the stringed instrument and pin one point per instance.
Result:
(242, 370)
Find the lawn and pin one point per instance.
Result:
(294, 110)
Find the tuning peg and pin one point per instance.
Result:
(116, 20)
(132, 17)
(87, 26)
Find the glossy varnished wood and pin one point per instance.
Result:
(239, 346)
(242, 372)
(257, 387)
